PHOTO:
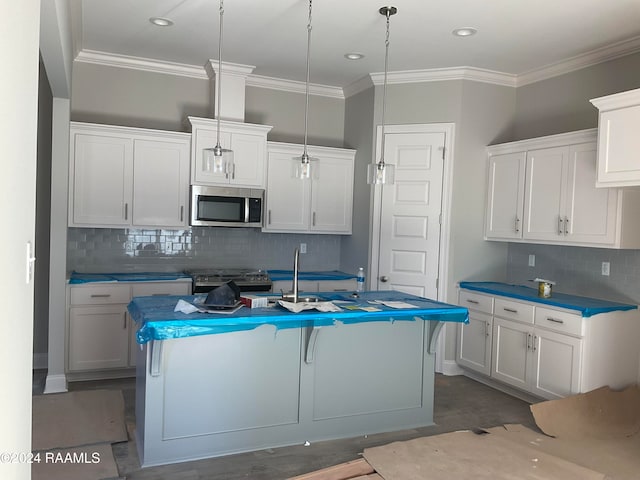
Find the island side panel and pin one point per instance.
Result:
(367, 378)
(220, 394)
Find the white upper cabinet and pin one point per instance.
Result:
(248, 143)
(618, 139)
(321, 204)
(120, 176)
(543, 190)
(505, 204)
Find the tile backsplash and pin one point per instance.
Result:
(112, 250)
(578, 270)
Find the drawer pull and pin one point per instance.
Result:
(160, 294)
(555, 320)
(475, 302)
(510, 310)
(100, 295)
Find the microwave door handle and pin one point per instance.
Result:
(246, 210)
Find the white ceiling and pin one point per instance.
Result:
(514, 37)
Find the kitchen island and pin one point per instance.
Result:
(215, 384)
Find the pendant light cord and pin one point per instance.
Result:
(305, 156)
(384, 88)
(219, 79)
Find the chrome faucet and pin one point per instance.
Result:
(296, 262)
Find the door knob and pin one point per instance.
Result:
(384, 278)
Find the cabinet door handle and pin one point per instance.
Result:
(269, 217)
(528, 341)
(160, 294)
(233, 171)
(517, 224)
(566, 225)
(182, 213)
(100, 295)
(510, 310)
(475, 302)
(486, 328)
(124, 323)
(555, 320)
(313, 222)
(535, 341)
(126, 211)
(560, 229)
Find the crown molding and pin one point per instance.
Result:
(138, 63)
(211, 67)
(443, 74)
(294, 86)
(610, 52)
(594, 57)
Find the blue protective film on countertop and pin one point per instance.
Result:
(157, 320)
(77, 278)
(585, 305)
(277, 275)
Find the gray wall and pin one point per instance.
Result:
(557, 105)
(285, 112)
(43, 222)
(561, 104)
(134, 98)
(359, 134)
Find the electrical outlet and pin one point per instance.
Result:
(532, 260)
(303, 248)
(605, 268)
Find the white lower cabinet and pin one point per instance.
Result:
(101, 336)
(546, 351)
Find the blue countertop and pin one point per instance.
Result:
(584, 305)
(78, 278)
(277, 275)
(157, 320)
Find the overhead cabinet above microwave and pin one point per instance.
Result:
(543, 190)
(618, 139)
(121, 177)
(248, 143)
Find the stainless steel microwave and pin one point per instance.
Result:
(226, 206)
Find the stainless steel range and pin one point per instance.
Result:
(247, 279)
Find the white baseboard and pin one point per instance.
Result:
(40, 361)
(451, 368)
(55, 384)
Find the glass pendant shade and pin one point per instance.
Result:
(380, 173)
(217, 159)
(303, 169)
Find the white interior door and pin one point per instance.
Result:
(410, 214)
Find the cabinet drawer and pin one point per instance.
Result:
(475, 301)
(160, 288)
(520, 312)
(559, 321)
(100, 295)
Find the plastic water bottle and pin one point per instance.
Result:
(360, 280)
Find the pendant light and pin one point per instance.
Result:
(381, 172)
(303, 163)
(218, 159)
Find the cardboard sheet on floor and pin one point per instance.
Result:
(82, 463)
(599, 430)
(464, 455)
(73, 419)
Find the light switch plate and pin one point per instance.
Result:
(606, 268)
(532, 260)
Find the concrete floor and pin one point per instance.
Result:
(460, 404)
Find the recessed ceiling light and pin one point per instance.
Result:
(464, 32)
(161, 22)
(353, 56)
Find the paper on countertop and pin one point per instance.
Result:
(320, 306)
(185, 307)
(396, 304)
